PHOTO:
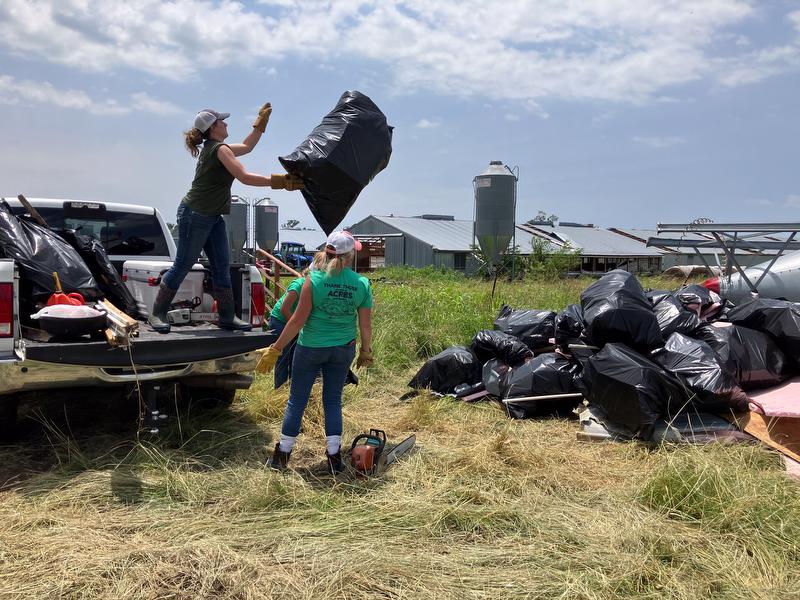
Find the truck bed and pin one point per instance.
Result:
(183, 344)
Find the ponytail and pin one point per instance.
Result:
(193, 138)
(330, 263)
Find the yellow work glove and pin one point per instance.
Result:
(365, 358)
(263, 117)
(269, 356)
(285, 182)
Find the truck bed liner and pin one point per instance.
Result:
(181, 345)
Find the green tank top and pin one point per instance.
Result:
(296, 286)
(334, 312)
(210, 193)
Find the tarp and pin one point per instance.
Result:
(340, 157)
(753, 357)
(39, 252)
(699, 367)
(534, 328)
(615, 309)
(451, 367)
(630, 391)
(488, 344)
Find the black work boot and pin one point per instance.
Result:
(227, 313)
(279, 460)
(158, 316)
(335, 464)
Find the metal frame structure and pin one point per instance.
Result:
(728, 238)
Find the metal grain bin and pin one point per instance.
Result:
(495, 209)
(236, 223)
(266, 224)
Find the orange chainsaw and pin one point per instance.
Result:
(367, 455)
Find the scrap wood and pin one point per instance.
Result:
(524, 399)
(118, 319)
(781, 400)
(32, 211)
(780, 433)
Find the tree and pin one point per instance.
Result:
(542, 217)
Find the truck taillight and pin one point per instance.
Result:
(257, 304)
(6, 309)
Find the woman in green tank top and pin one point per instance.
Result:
(335, 304)
(200, 223)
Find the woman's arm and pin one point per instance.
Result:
(298, 319)
(247, 144)
(365, 327)
(288, 302)
(237, 169)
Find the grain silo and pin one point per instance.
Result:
(236, 223)
(266, 224)
(495, 210)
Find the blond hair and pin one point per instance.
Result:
(193, 139)
(330, 263)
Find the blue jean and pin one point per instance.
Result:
(283, 368)
(333, 362)
(198, 232)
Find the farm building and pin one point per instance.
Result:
(443, 241)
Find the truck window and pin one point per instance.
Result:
(119, 232)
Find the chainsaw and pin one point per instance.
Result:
(368, 456)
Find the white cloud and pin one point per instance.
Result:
(428, 123)
(511, 117)
(792, 201)
(659, 141)
(14, 91)
(528, 51)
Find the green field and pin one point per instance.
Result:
(487, 507)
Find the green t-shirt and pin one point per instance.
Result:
(210, 193)
(296, 286)
(334, 312)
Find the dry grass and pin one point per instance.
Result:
(486, 508)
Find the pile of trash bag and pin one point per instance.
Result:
(635, 358)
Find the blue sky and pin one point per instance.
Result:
(617, 113)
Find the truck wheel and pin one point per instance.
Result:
(8, 417)
(207, 397)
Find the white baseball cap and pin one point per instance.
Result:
(341, 242)
(207, 117)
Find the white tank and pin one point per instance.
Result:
(495, 209)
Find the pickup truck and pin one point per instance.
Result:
(201, 359)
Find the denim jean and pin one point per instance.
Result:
(333, 362)
(198, 232)
(283, 368)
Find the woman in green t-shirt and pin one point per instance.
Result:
(200, 223)
(334, 303)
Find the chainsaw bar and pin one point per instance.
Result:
(402, 448)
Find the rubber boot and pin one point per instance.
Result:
(335, 464)
(279, 460)
(227, 313)
(158, 316)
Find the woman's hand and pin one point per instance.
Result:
(263, 117)
(365, 358)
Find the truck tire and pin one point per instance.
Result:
(207, 397)
(8, 417)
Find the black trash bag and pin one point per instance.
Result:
(696, 294)
(107, 277)
(655, 296)
(778, 318)
(615, 309)
(700, 368)
(340, 157)
(451, 367)
(753, 357)
(495, 375)
(547, 374)
(631, 392)
(488, 344)
(569, 326)
(39, 252)
(534, 328)
(672, 317)
(466, 389)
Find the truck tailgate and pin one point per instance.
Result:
(181, 345)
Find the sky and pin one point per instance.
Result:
(616, 113)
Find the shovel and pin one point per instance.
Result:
(59, 297)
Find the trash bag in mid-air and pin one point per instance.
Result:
(340, 157)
